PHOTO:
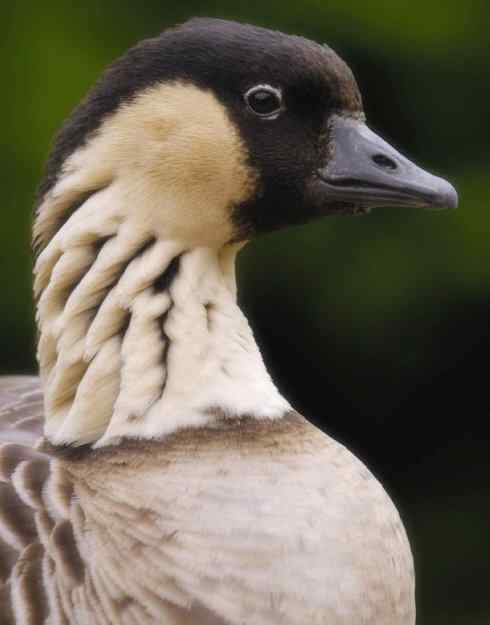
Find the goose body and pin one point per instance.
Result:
(154, 474)
(241, 521)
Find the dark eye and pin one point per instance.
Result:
(264, 100)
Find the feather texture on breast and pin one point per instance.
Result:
(240, 522)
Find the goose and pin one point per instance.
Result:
(153, 473)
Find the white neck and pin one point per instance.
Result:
(140, 336)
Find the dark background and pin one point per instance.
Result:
(377, 328)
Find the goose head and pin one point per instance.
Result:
(260, 129)
(187, 146)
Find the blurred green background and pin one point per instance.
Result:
(377, 328)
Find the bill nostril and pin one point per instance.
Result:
(384, 161)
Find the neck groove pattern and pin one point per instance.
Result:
(141, 336)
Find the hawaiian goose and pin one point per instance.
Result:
(154, 474)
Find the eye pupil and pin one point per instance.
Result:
(264, 101)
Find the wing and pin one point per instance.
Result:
(34, 507)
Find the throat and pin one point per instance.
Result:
(143, 339)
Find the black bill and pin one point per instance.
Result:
(366, 171)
